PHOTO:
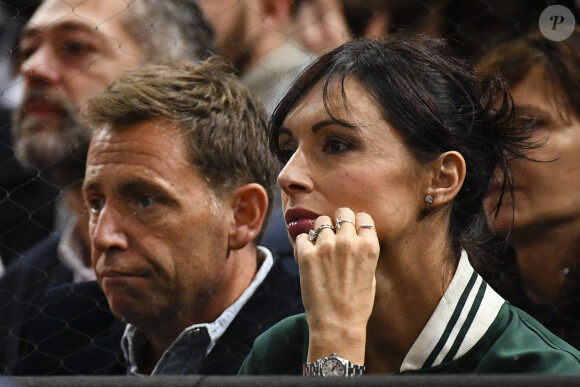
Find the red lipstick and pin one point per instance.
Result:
(299, 221)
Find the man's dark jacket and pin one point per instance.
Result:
(38, 270)
(76, 334)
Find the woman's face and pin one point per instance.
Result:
(546, 193)
(366, 167)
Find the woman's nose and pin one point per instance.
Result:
(296, 175)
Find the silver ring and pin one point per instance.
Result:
(371, 226)
(313, 234)
(339, 221)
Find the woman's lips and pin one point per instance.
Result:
(300, 226)
(299, 221)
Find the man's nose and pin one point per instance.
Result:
(107, 231)
(42, 64)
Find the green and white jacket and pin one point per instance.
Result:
(472, 329)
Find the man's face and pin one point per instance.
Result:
(234, 22)
(159, 238)
(69, 51)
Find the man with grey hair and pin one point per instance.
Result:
(69, 51)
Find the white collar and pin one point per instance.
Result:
(132, 340)
(463, 315)
(73, 254)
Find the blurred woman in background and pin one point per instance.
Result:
(540, 271)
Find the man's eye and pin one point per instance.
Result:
(96, 204)
(75, 49)
(24, 53)
(146, 201)
(28, 47)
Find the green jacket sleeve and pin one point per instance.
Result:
(281, 350)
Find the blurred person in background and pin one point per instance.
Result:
(69, 51)
(254, 36)
(470, 27)
(540, 270)
(27, 200)
(319, 25)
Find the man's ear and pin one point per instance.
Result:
(448, 175)
(250, 204)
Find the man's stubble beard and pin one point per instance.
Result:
(237, 49)
(58, 149)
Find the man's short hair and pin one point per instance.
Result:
(224, 122)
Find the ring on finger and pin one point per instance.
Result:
(313, 234)
(339, 221)
(370, 226)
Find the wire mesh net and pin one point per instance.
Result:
(53, 318)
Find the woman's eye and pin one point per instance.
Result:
(336, 146)
(286, 151)
(533, 122)
(285, 155)
(145, 201)
(539, 123)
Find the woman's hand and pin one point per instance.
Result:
(337, 274)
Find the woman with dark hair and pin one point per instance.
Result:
(541, 221)
(388, 149)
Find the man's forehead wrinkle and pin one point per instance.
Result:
(92, 12)
(108, 152)
(110, 36)
(84, 15)
(109, 39)
(139, 174)
(89, 10)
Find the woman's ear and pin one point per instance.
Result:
(448, 175)
(250, 204)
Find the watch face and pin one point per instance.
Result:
(332, 367)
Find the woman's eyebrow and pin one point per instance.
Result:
(319, 125)
(530, 109)
(315, 128)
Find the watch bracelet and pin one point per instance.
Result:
(315, 369)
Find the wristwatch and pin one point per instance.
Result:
(333, 365)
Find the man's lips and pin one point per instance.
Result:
(122, 273)
(299, 221)
(43, 109)
(110, 277)
(115, 273)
